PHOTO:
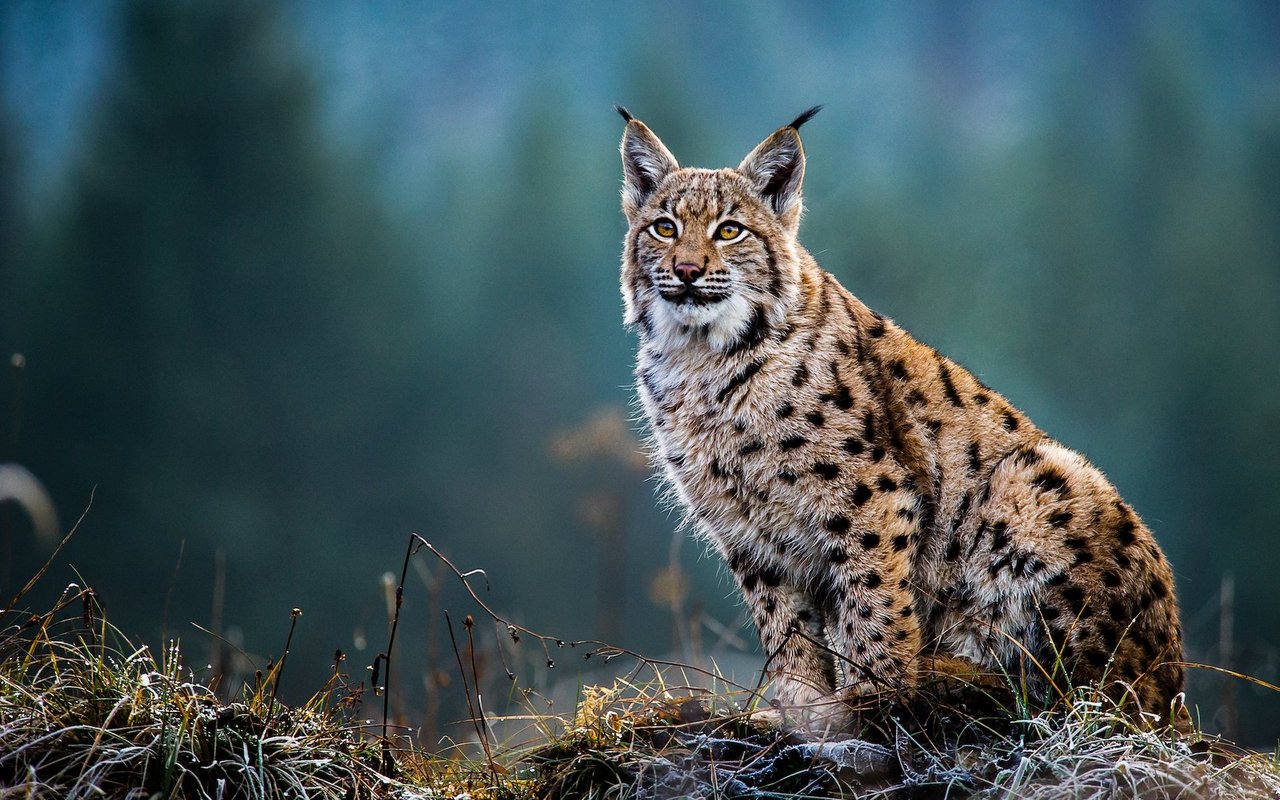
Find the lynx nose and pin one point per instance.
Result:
(688, 273)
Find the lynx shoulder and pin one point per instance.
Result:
(877, 505)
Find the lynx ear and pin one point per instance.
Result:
(645, 162)
(776, 169)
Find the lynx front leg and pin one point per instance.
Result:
(790, 625)
(873, 625)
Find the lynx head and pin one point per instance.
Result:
(710, 254)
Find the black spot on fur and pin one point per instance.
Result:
(1074, 596)
(771, 576)
(877, 328)
(842, 399)
(948, 388)
(815, 418)
(826, 470)
(870, 540)
(1050, 480)
(869, 426)
(900, 542)
(977, 536)
(838, 523)
(793, 442)
(886, 484)
(915, 398)
(961, 512)
(1010, 421)
(787, 476)
(1110, 579)
(933, 426)
(838, 555)
(872, 580)
(1082, 557)
(999, 535)
(1058, 640)
(861, 494)
(1027, 456)
(785, 410)
(1124, 533)
(853, 446)
(981, 398)
(877, 453)
(1060, 519)
(738, 380)
(749, 581)
(770, 604)
(1076, 542)
(775, 277)
(756, 332)
(801, 375)
(1050, 612)
(646, 322)
(898, 370)
(953, 550)
(751, 447)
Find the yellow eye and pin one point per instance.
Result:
(728, 231)
(664, 228)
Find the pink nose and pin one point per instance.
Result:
(688, 273)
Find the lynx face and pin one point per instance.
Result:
(709, 254)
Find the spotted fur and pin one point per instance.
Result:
(875, 502)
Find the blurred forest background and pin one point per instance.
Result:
(292, 280)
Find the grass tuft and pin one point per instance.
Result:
(84, 713)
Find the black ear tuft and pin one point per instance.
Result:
(627, 114)
(800, 120)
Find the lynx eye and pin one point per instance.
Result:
(664, 228)
(728, 231)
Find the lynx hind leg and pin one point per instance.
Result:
(1085, 588)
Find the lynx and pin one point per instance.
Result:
(880, 509)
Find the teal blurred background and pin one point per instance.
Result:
(295, 279)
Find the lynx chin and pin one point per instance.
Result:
(882, 511)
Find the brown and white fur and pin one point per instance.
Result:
(877, 505)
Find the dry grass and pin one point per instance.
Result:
(86, 713)
(644, 742)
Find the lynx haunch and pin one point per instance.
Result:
(879, 507)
